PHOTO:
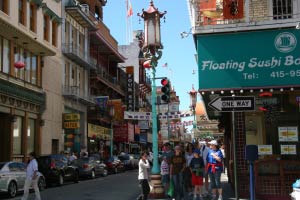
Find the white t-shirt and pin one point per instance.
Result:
(143, 169)
(31, 168)
(188, 158)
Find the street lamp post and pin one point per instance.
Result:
(193, 102)
(111, 113)
(152, 53)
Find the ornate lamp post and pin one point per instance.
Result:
(152, 53)
(193, 102)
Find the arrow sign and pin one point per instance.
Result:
(230, 104)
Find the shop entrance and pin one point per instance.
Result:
(5, 140)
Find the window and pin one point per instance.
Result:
(33, 70)
(282, 9)
(32, 17)
(22, 12)
(46, 27)
(17, 136)
(30, 135)
(54, 33)
(27, 66)
(67, 73)
(55, 146)
(6, 56)
(19, 56)
(4, 6)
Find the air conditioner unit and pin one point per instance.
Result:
(85, 8)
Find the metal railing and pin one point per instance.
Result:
(70, 48)
(78, 93)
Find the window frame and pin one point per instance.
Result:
(46, 27)
(32, 17)
(54, 33)
(4, 7)
(22, 12)
(283, 16)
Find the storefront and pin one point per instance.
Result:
(98, 140)
(263, 64)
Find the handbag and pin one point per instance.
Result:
(171, 189)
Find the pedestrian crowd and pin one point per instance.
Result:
(185, 170)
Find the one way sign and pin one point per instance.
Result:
(230, 104)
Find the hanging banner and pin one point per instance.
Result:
(102, 102)
(118, 109)
(148, 115)
(121, 133)
(251, 59)
(130, 88)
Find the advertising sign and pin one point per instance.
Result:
(265, 150)
(249, 59)
(71, 117)
(130, 88)
(288, 149)
(288, 134)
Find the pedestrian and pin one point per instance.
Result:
(168, 152)
(176, 170)
(187, 176)
(222, 148)
(214, 168)
(143, 176)
(204, 148)
(72, 157)
(31, 177)
(165, 173)
(196, 168)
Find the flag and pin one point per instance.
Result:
(101, 102)
(129, 9)
(165, 65)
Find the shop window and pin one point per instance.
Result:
(282, 9)
(46, 27)
(30, 135)
(17, 136)
(4, 6)
(22, 12)
(32, 17)
(54, 33)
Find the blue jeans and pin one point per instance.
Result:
(178, 185)
(215, 179)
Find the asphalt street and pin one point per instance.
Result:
(122, 186)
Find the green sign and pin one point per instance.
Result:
(267, 58)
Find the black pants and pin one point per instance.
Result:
(145, 189)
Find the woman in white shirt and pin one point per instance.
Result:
(31, 177)
(143, 176)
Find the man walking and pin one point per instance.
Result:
(31, 177)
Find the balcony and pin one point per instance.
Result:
(250, 15)
(106, 44)
(81, 14)
(77, 55)
(103, 76)
(74, 92)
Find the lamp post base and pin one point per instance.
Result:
(157, 191)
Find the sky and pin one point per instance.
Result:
(177, 52)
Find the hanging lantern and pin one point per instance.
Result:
(147, 64)
(19, 65)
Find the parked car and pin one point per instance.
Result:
(90, 167)
(57, 169)
(114, 165)
(13, 176)
(125, 159)
(134, 159)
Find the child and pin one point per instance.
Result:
(196, 167)
(164, 170)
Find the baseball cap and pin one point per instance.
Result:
(213, 142)
(196, 151)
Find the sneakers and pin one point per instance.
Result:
(220, 197)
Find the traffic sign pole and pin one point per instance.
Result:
(234, 157)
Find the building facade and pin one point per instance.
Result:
(251, 48)
(29, 43)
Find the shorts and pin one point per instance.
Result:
(197, 180)
(165, 179)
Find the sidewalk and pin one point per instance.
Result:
(228, 192)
